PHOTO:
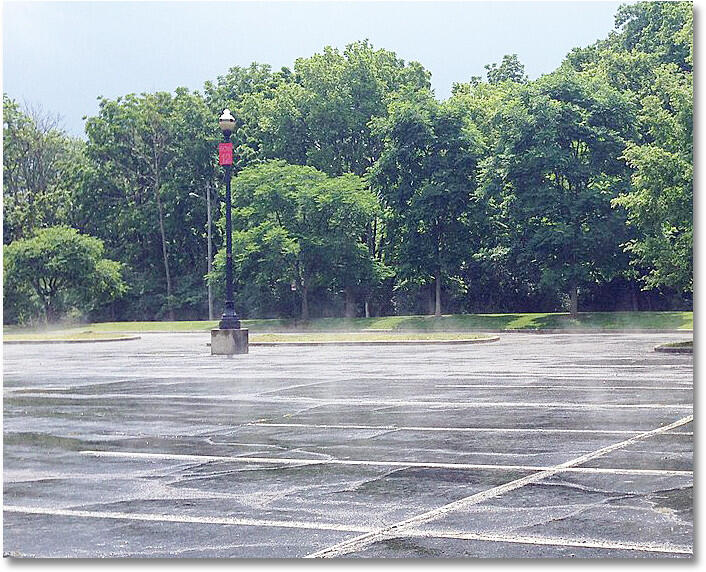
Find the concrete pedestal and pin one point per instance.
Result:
(229, 342)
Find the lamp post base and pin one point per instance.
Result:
(229, 342)
(230, 322)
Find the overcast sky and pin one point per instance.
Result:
(63, 55)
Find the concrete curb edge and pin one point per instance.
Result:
(380, 342)
(664, 348)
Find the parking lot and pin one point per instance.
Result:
(532, 446)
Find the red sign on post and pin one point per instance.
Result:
(225, 153)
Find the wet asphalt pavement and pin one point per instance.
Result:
(536, 446)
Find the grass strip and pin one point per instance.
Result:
(64, 336)
(689, 344)
(611, 321)
(686, 347)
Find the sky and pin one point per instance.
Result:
(61, 56)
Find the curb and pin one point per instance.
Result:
(474, 331)
(672, 350)
(21, 342)
(377, 342)
(587, 331)
(380, 342)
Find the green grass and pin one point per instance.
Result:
(61, 335)
(689, 344)
(447, 323)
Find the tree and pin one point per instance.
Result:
(348, 90)
(148, 155)
(492, 277)
(510, 69)
(647, 35)
(650, 59)
(38, 158)
(659, 203)
(296, 226)
(555, 169)
(247, 92)
(664, 29)
(192, 193)
(425, 178)
(319, 113)
(63, 269)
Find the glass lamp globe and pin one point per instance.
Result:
(226, 121)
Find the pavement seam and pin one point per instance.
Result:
(399, 529)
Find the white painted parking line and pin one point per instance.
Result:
(375, 402)
(460, 429)
(185, 518)
(399, 528)
(300, 385)
(560, 387)
(553, 541)
(351, 462)
(450, 534)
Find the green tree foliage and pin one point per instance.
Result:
(319, 114)
(662, 29)
(510, 69)
(295, 226)
(248, 93)
(149, 155)
(37, 162)
(556, 169)
(493, 277)
(660, 202)
(648, 35)
(650, 58)
(425, 178)
(58, 269)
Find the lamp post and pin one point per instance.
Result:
(229, 338)
(229, 320)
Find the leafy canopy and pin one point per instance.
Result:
(63, 269)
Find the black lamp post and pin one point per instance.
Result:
(229, 338)
(229, 320)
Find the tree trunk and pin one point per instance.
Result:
(437, 297)
(437, 278)
(633, 299)
(170, 310)
(367, 309)
(350, 303)
(574, 301)
(49, 312)
(430, 299)
(305, 302)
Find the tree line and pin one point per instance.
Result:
(358, 192)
